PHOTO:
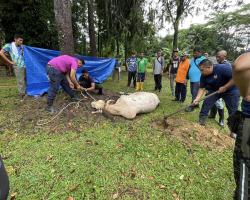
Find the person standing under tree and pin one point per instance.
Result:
(181, 81)
(117, 69)
(131, 68)
(173, 67)
(141, 71)
(158, 67)
(194, 75)
(16, 52)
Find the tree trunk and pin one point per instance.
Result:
(117, 46)
(176, 32)
(91, 22)
(62, 9)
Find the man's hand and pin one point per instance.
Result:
(195, 102)
(185, 82)
(222, 89)
(71, 85)
(80, 88)
(11, 63)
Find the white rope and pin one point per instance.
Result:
(45, 122)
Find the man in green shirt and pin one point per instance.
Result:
(141, 71)
(15, 50)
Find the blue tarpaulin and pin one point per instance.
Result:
(37, 58)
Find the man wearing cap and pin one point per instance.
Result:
(216, 78)
(194, 75)
(181, 81)
(173, 67)
(61, 71)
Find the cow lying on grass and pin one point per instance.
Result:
(129, 106)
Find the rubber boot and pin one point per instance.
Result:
(137, 86)
(221, 117)
(213, 112)
(141, 86)
(202, 121)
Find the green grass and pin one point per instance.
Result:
(119, 160)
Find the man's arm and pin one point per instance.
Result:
(201, 92)
(70, 82)
(225, 87)
(92, 87)
(2, 54)
(241, 75)
(72, 77)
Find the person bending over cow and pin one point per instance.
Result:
(88, 83)
(61, 71)
(216, 78)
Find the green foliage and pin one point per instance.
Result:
(34, 19)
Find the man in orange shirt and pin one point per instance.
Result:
(181, 80)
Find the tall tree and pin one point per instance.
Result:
(35, 20)
(91, 23)
(62, 9)
(174, 11)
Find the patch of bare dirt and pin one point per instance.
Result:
(131, 192)
(190, 133)
(26, 115)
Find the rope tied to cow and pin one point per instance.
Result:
(45, 122)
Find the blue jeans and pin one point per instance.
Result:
(194, 88)
(231, 99)
(57, 79)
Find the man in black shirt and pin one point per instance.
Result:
(88, 83)
(173, 67)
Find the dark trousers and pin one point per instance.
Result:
(241, 160)
(231, 99)
(4, 182)
(158, 82)
(140, 77)
(131, 75)
(194, 88)
(57, 79)
(180, 91)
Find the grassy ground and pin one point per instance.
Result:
(111, 160)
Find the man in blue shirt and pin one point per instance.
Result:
(194, 75)
(131, 67)
(219, 106)
(216, 78)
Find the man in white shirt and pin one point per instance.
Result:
(158, 67)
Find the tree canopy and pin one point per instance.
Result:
(111, 27)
